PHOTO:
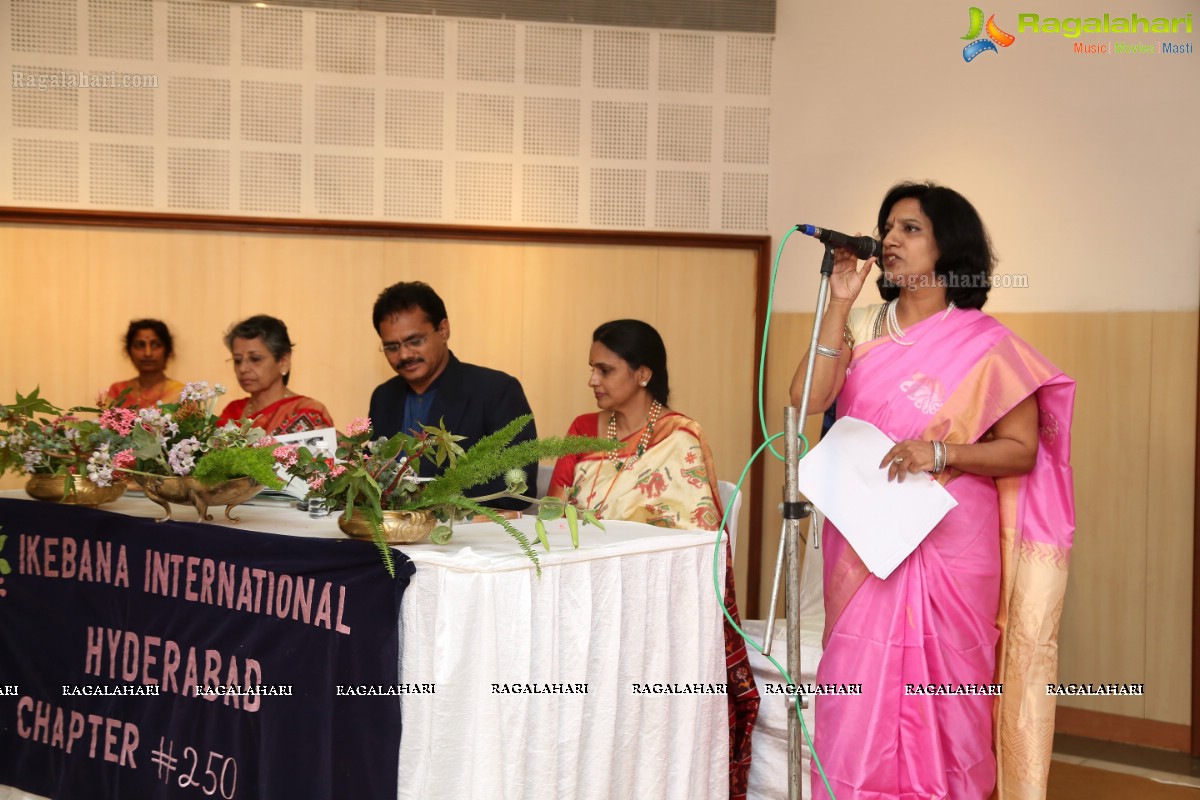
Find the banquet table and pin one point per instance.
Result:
(602, 678)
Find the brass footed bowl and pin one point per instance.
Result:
(165, 490)
(85, 493)
(399, 527)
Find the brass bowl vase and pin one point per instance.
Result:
(85, 493)
(164, 490)
(399, 527)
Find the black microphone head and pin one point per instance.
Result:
(863, 247)
(867, 247)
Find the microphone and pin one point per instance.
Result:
(864, 247)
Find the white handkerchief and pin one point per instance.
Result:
(883, 521)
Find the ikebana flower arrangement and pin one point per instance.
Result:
(182, 439)
(40, 438)
(177, 453)
(151, 445)
(370, 476)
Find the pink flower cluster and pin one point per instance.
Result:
(120, 420)
(286, 454)
(124, 459)
(359, 425)
(266, 441)
(101, 464)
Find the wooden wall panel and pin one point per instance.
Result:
(571, 291)
(483, 286)
(1102, 636)
(49, 314)
(322, 288)
(1170, 485)
(156, 274)
(706, 317)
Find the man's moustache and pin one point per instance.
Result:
(407, 364)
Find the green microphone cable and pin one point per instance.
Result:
(767, 444)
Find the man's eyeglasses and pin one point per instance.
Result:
(411, 343)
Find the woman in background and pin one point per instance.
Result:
(262, 361)
(662, 475)
(149, 346)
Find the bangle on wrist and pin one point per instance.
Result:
(828, 352)
(940, 454)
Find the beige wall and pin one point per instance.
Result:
(1127, 616)
(527, 309)
(1083, 167)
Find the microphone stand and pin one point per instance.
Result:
(789, 545)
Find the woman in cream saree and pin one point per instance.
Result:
(662, 475)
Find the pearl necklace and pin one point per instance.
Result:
(643, 442)
(895, 332)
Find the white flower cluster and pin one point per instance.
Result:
(183, 456)
(231, 435)
(17, 439)
(100, 466)
(199, 392)
(154, 420)
(32, 457)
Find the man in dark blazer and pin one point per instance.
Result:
(432, 385)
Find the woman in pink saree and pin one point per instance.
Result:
(955, 648)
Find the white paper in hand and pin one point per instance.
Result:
(883, 521)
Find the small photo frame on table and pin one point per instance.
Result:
(321, 441)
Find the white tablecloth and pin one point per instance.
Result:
(632, 606)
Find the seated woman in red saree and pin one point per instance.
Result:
(149, 346)
(663, 475)
(977, 604)
(262, 359)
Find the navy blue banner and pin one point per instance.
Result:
(183, 660)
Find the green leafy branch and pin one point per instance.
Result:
(493, 456)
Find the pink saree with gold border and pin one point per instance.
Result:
(975, 606)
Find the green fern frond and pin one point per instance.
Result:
(498, 439)
(385, 550)
(475, 468)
